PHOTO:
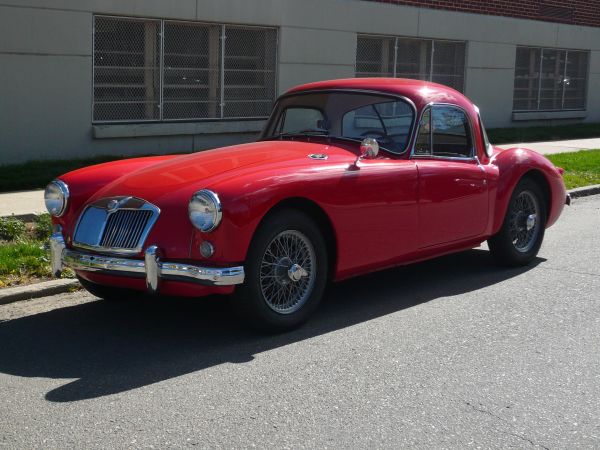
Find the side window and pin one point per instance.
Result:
(423, 144)
(451, 132)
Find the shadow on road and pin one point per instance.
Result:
(112, 348)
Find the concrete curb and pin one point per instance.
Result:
(585, 191)
(43, 289)
(47, 288)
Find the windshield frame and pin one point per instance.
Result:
(273, 118)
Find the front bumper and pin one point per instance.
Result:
(152, 268)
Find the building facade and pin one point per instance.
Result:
(94, 77)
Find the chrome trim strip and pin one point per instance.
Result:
(151, 267)
(57, 245)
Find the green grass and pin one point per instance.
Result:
(581, 168)
(24, 257)
(539, 134)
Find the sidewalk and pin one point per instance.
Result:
(22, 203)
(32, 202)
(548, 148)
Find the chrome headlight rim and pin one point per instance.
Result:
(63, 188)
(213, 198)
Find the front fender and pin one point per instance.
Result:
(515, 163)
(246, 200)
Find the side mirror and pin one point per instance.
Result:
(369, 148)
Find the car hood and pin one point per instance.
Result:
(184, 175)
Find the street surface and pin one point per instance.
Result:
(454, 352)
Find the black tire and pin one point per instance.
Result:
(513, 246)
(110, 293)
(263, 275)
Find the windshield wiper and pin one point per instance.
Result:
(303, 133)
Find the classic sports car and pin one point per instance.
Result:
(348, 177)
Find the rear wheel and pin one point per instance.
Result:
(110, 293)
(286, 273)
(520, 238)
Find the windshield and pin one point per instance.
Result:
(343, 115)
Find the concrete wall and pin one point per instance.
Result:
(46, 65)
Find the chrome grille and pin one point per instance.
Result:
(124, 228)
(115, 225)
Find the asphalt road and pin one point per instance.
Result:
(454, 352)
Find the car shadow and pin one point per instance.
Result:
(111, 348)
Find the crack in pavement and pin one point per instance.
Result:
(525, 439)
(485, 411)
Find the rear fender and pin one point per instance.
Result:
(515, 163)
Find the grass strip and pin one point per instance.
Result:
(581, 168)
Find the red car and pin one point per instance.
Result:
(348, 177)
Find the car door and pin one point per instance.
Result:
(453, 189)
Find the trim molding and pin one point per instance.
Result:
(175, 129)
(548, 115)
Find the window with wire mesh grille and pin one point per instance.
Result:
(549, 79)
(163, 70)
(423, 59)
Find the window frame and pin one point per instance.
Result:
(222, 117)
(430, 155)
(431, 61)
(564, 75)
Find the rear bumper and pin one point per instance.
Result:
(152, 267)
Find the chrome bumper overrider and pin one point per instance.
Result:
(152, 268)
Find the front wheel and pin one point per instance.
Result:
(520, 238)
(286, 273)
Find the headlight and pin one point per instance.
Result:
(56, 197)
(205, 210)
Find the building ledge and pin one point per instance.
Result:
(548, 115)
(131, 130)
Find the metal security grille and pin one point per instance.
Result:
(124, 228)
(249, 71)
(422, 59)
(162, 70)
(126, 69)
(550, 79)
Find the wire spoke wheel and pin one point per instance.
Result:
(288, 272)
(524, 223)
